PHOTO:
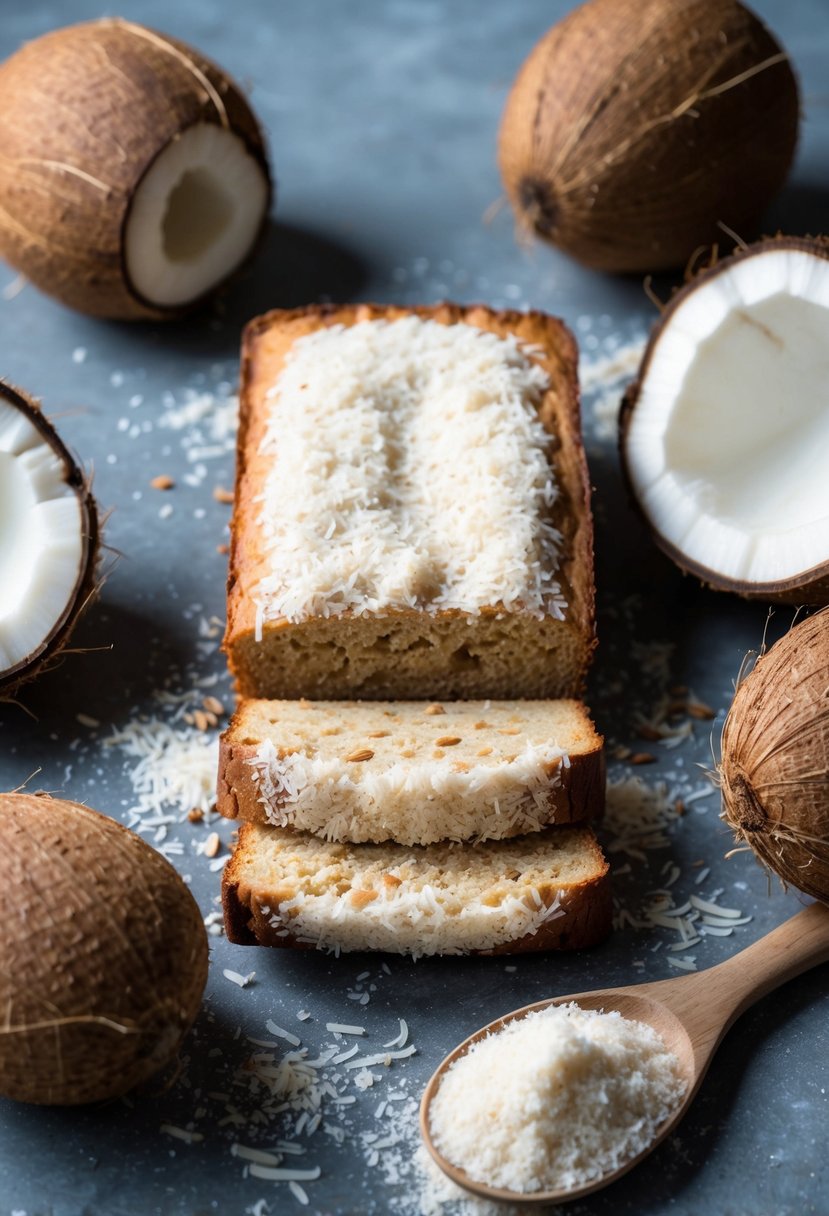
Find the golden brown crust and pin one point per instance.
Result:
(266, 342)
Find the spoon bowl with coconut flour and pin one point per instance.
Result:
(562, 1097)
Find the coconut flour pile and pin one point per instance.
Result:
(555, 1099)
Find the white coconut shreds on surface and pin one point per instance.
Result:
(419, 475)
(604, 375)
(555, 1100)
(175, 763)
(434, 800)
(671, 906)
(171, 756)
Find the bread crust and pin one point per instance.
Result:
(266, 343)
(586, 921)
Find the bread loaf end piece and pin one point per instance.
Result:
(384, 648)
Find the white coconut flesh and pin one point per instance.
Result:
(194, 216)
(727, 446)
(42, 539)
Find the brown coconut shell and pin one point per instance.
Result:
(84, 112)
(774, 769)
(86, 584)
(637, 127)
(808, 588)
(103, 957)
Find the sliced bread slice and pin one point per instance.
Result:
(412, 515)
(411, 771)
(545, 891)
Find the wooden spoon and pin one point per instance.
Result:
(691, 1013)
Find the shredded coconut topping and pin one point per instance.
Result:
(419, 475)
(439, 802)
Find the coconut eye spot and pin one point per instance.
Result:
(198, 211)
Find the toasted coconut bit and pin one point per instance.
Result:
(212, 845)
(378, 734)
(223, 549)
(434, 709)
(195, 814)
(698, 709)
(222, 495)
(642, 758)
(162, 482)
(449, 741)
(213, 706)
(360, 755)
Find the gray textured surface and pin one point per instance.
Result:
(382, 120)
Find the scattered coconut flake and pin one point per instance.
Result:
(401, 1038)
(181, 1133)
(278, 1174)
(684, 962)
(343, 1028)
(712, 909)
(384, 1058)
(298, 1193)
(257, 1155)
(236, 978)
(278, 1031)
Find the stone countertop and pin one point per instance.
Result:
(382, 121)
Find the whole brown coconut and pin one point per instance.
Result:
(636, 127)
(775, 758)
(103, 956)
(133, 173)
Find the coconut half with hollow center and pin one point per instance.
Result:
(724, 434)
(48, 541)
(133, 173)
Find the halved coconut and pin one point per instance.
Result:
(133, 173)
(48, 541)
(724, 436)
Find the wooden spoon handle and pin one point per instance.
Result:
(712, 1001)
(790, 949)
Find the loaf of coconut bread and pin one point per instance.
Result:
(410, 615)
(548, 890)
(413, 772)
(411, 516)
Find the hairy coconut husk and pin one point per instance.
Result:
(774, 769)
(637, 127)
(84, 112)
(809, 587)
(86, 585)
(103, 958)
